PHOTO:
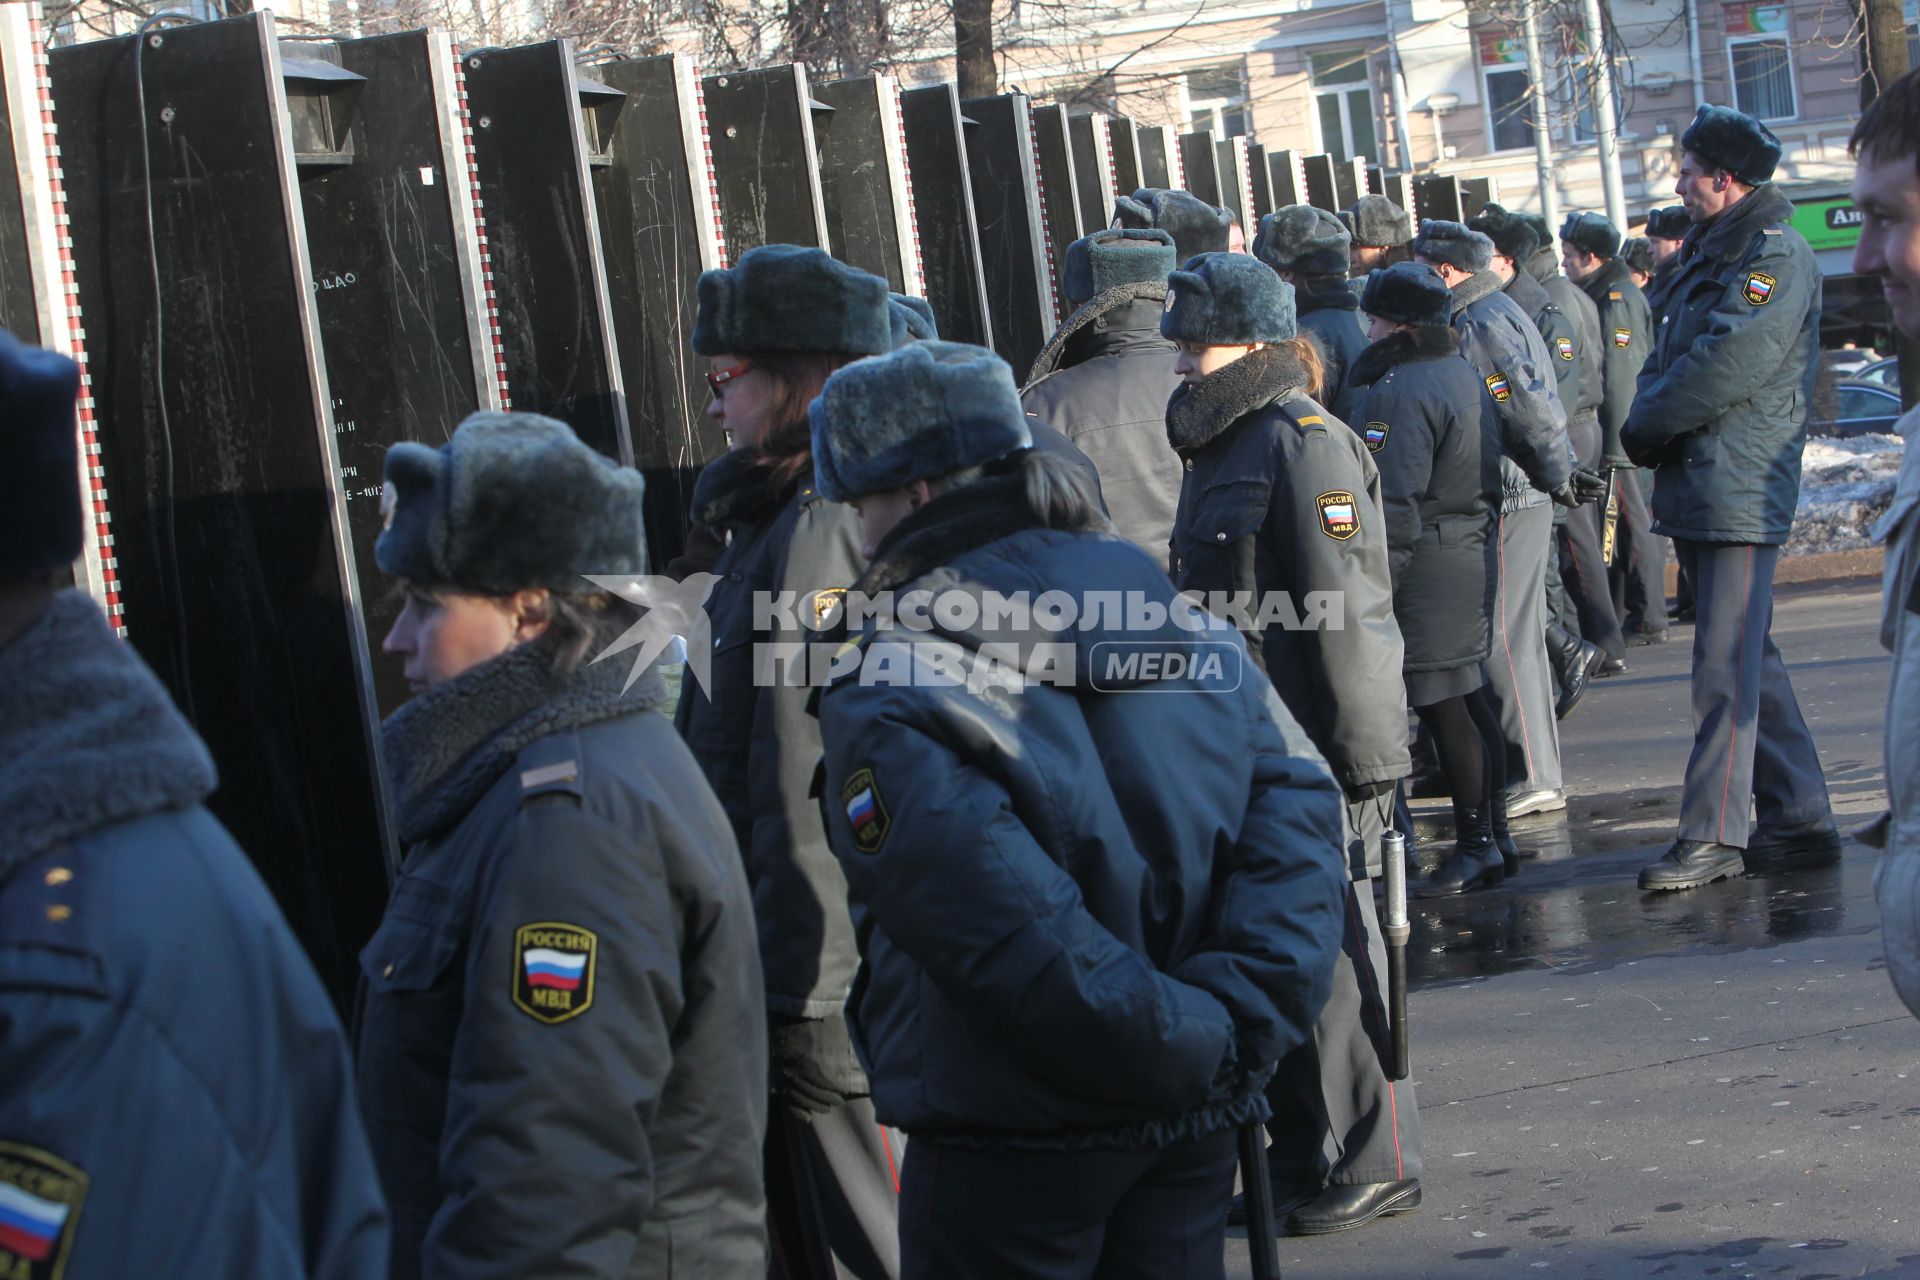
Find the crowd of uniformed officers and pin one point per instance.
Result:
(881, 977)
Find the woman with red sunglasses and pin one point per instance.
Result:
(774, 326)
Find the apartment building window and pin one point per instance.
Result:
(1343, 103)
(1217, 100)
(1761, 60)
(1503, 67)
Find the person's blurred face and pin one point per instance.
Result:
(1640, 278)
(742, 399)
(1236, 238)
(1378, 328)
(1194, 361)
(880, 512)
(442, 633)
(1368, 257)
(1452, 275)
(1887, 193)
(1577, 262)
(1663, 248)
(1706, 192)
(1501, 265)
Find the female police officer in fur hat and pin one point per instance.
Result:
(560, 1037)
(1096, 918)
(773, 326)
(1281, 506)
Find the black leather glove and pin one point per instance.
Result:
(1580, 489)
(1361, 792)
(813, 1065)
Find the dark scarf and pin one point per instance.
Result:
(88, 737)
(1199, 411)
(450, 743)
(1055, 355)
(1402, 346)
(948, 527)
(743, 486)
(1324, 293)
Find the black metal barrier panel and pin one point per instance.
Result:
(1287, 171)
(1093, 170)
(1349, 182)
(20, 297)
(1260, 176)
(659, 227)
(238, 575)
(381, 159)
(1376, 184)
(1437, 196)
(1398, 187)
(943, 208)
(1200, 165)
(760, 124)
(863, 179)
(529, 110)
(1123, 141)
(1321, 190)
(1053, 157)
(1476, 194)
(1013, 234)
(1236, 185)
(1159, 157)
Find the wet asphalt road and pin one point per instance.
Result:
(1619, 1084)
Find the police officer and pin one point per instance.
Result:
(1721, 412)
(1090, 927)
(1381, 232)
(1196, 226)
(1309, 248)
(1590, 248)
(773, 326)
(1666, 232)
(1536, 466)
(175, 1092)
(1282, 501)
(1638, 255)
(1103, 379)
(568, 963)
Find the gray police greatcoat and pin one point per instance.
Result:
(1513, 361)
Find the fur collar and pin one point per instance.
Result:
(88, 735)
(742, 486)
(1544, 265)
(1198, 412)
(1474, 288)
(956, 522)
(1403, 346)
(1324, 293)
(449, 744)
(1528, 294)
(1728, 236)
(1054, 355)
(1612, 274)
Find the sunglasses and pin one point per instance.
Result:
(717, 379)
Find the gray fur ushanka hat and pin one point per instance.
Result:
(924, 411)
(912, 319)
(1117, 256)
(1408, 293)
(512, 502)
(1226, 299)
(782, 297)
(1302, 238)
(1592, 233)
(1669, 223)
(1638, 255)
(41, 523)
(1511, 234)
(1453, 243)
(1196, 226)
(1734, 141)
(1379, 222)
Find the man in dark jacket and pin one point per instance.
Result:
(1103, 379)
(1091, 921)
(1537, 467)
(1590, 245)
(175, 1093)
(1721, 412)
(1308, 247)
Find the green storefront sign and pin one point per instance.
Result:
(1828, 224)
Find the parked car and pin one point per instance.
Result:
(1881, 373)
(1847, 362)
(1860, 408)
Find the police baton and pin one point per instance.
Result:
(1256, 1189)
(1393, 858)
(1610, 522)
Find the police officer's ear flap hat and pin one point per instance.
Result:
(513, 501)
(1453, 243)
(1302, 238)
(1638, 255)
(41, 525)
(1511, 234)
(1196, 226)
(1670, 223)
(1409, 293)
(927, 410)
(782, 297)
(1378, 221)
(1225, 299)
(912, 319)
(1107, 259)
(1593, 233)
(1734, 141)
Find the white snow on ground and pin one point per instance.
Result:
(1845, 485)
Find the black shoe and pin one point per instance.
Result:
(1645, 633)
(1287, 1196)
(1539, 800)
(1341, 1208)
(1692, 863)
(1610, 667)
(1574, 661)
(1681, 615)
(1806, 844)
(1472, 865)
(1510, 854)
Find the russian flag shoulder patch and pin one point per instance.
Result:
(1339, 514)
(553, 970)
(1375, 435)
(40, 1199)
(1759, 288)
(1501, 389)
(867, 814)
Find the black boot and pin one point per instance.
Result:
(1475, 861)
(1574, 662)
(1510, 853)
(1692, 863)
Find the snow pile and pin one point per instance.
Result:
(1845, 485)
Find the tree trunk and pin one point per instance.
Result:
(1884, 51)
(973, 47)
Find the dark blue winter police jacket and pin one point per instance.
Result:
(1093, 915)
